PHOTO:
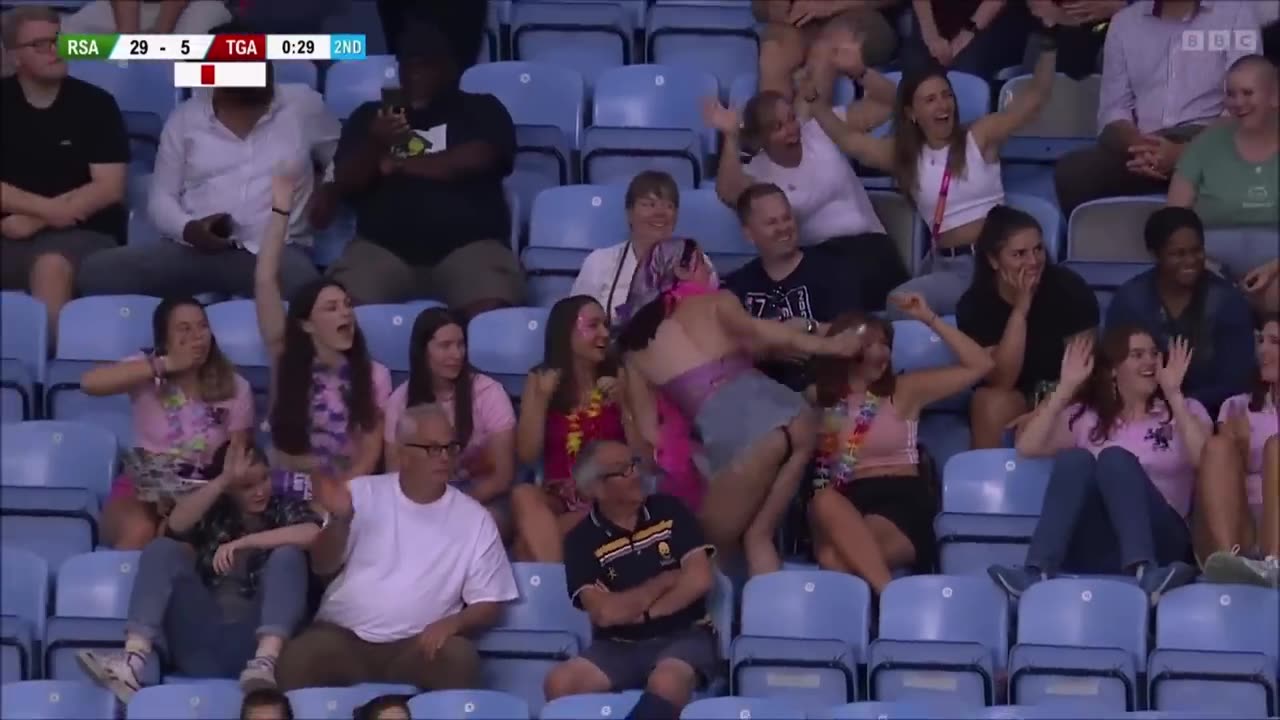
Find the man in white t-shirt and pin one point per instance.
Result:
(421, 568)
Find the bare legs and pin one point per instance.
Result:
(847, 541)
(758, 541)
(539, 527)
(1269, 532)
(1222, 517)
(990, 411)
(128, 523)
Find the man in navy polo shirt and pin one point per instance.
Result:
(640, 567)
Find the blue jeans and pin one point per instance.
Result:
(1103, 515)
(170, 598)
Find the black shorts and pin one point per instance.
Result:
(628, 664)
(908, 502)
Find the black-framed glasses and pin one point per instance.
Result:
(624, 471)
(435, 450)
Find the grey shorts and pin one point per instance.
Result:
(19, 256)
(1240, 250)
(628, 664)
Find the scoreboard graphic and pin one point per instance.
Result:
(212, 60)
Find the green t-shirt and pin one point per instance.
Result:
(1230, 191)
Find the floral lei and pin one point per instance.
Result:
(573, 440)
(840, 473)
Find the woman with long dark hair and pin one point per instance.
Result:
(1025, 310)
(1238, 494)
(872, 509)
(694, 344)
(570, 400)
(327, 394)
(483, 419)
(187, 401)
(1126, 445)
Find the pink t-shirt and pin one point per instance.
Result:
(1262, 425)
(491, 410)
(166, 420)
(1157, 445)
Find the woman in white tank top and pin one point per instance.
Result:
(951, 172)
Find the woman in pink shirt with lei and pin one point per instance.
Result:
(327, 394)
(1126, 445)
(1238, 497)
(187, 402)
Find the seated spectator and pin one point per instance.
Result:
(426, 183)
(1179, 297)
(210, 196)
(384, 707)
(649, 622)
(575, 397)
(328, 395)
(246, 585)
(950, 171)
(1126, 445)
(794, 32)
(1238, 494)
(1230, 174)
(1082, 31)
(831, 206)
(1023, 309)
(872, 509)
(979, 37)
(184, 17)
(787, 283)
(652, 202)
(1156, 95)
(64, 153)
(405, 535)
(187, 402)
(694, 344)
(481, 412)
(266, 704)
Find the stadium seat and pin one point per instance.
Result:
(1066, 711)
(704, 218)
(803, 635)
(991, 503)
(536, 94)
(1216, 650)
(468, 705)
(536, 632)
(744, 86)
(585, 38)
(885, 711)
(1082, 640)
(24, 600)
(579, 217)
(348, 84)
(613, 155)
(23, 350)
(654, 96)
(1047, 215)
(301, 72)
(1110, 230)
(942, 639)
(136, 86)
(387, 330)
(91, 601)
(359, 18)
(1070, 111)
(234, 324)
(210, 700)
(507, 343)
(141, 230)
(339, 703)
(143, 129)
(56, 700)
(52, 522)
(973, 97)
(741, 708)
(720, 40)
(590, 705)
(917, 347)
(900, 223)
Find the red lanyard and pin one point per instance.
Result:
(941, 208)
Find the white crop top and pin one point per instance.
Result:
(970, 196)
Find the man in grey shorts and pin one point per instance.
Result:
(640, 567)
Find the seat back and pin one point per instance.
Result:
(1085, 612)
(534, 94)
(1111, 229)
(918, 347)
(469, 704)
(590, 705)
(300, 72)
(207, 700)
(584, 217)
(543, 603)
(1047, 215)
(808, 604)
(718, 39)
(996, 481)
(105, 327)
(741, 708)
(1221, 618)
(899, 220)
(585, 37)
(716, 228)
(946, 608)
(26, 332)
(24, 588)
(507, 343)
(96, 584)
(136, 86)
(1070, 110)
(387, 330)
(234, 324)
(55, 700)
(56, 453)
(886, 711)
(654, 96)
(348, 84)
(340, 703)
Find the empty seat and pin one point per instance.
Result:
(1070, 111)
(579, 217)
(886, 711)
(348, 84)
(209, 700)
(91, 601)
(234, 324)
(56, 700)
(24, 345)
(24, 599)
(387, 330)
(720, 40)
(339, 703)
(1110, 230)
(1216, 650)
(803, 635)
(942, 639)
(991, 503)
(300, 72)
(741, 708)
(716, 228)
(507, 343)
(1080, 640)
(590, 705)
(612, 155)
(654, 96)
(586, 37)
(136, 86)
(468, 704)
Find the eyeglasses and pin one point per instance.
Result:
(437, 451)
(625, 471)
(41, 44)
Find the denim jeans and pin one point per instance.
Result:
(169, 598)
(1103, 515)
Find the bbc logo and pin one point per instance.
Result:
(1220, 40)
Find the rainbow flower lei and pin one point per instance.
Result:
(834, 466)
(573, 439)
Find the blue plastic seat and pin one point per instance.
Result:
(469, 705)
(614, 155)
(991, 502)
(55, 453)
(24, 598)
(141, 230)
(507, 343)
(719, 40)
(942, 639)
(1216, 650)
(885, 711)
(804, 634)
(56, 700)
(53, 522)
(1047, 215)
(716, 228)
(534, 93)
(387, 330)
(741, 708)
(213, 700)
(23, 349)
(348, 84)
(1110, 230)
(136, 86)
(586, 38)
(537, 631)
(91, 602)
(301, 72)
(654, 96)
(234, 324)
(590, 705)
(1084, 639)
(917, 347)
(339, 703)
(579, 217)
(1065, 711)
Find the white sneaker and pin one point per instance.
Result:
(1230, 568)
(114, 671)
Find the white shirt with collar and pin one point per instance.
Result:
(202, 168)
(607, 272)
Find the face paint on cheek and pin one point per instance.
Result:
(585, 326)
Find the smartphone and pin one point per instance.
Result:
(393, 99)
